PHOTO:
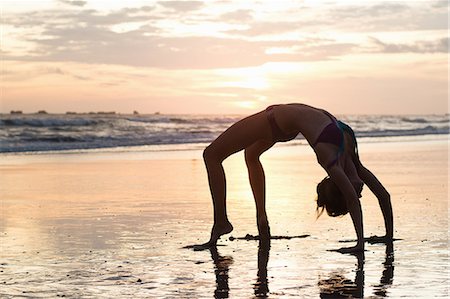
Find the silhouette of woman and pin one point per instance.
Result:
(335, 146)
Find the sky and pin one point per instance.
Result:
(224, 57)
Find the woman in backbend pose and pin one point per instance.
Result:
(335, 146)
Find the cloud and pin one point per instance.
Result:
(267, 28)
(87, 36)
(437, 46)
(389, 16)
(100, 45)
(181, 6)
(366, 11)
(71, 18)
(239, 16)
(74, 2)
(146, 39)
(441, 4)
(30, 71)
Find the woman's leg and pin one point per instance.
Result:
(237, 137)
(217, 186)
(258, 184)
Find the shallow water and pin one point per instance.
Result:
(102, 228)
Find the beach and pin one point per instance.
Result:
(103, 224)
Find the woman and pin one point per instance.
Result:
(334, 145)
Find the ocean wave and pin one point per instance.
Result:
(48, 122)
(183, 120)
(61, 132)
(414, 120)
(428, 130)
(149, 120)
(53, 139)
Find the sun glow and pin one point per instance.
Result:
(246, 104)
(250, 78)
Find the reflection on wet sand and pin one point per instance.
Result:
(388, 273)
(338, 286)
(222, 266)
(261, 286)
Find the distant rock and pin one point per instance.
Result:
(106, 112)
(16, 112)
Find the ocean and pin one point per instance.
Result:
(79, 132)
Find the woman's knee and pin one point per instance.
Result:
(210, 154)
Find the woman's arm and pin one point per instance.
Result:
(384, 199)
(354, 206)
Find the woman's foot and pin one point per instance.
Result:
(264, 230)
(219, 230)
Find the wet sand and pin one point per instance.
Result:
(102, 225)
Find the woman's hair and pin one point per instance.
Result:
(330, 198)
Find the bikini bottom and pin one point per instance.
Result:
(332, 134)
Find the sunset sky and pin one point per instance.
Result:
(349, 57)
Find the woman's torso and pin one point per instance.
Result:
(300, 118)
